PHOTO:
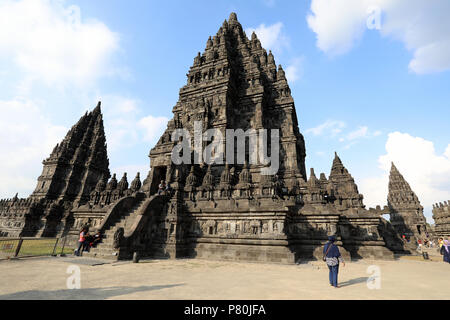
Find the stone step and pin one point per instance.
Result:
(108, 242)
(108, 256)
(107, 249)
(105, 252)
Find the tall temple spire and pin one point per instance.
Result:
(98, 109)
(235, 84)
(400, 193)
(76, 164)
(344, 185)
(406, 211)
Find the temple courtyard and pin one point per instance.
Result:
(408, 277)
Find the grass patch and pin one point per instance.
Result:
(33, 247)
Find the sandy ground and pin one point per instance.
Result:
(46, 278)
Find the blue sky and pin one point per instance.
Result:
(372, 95)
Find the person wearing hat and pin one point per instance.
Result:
(332, 257)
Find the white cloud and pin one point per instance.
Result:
(272, 37)
(294, 71)
(120, 117)
(329, 127)
(335, 129)
(26, 138)
(153, 127)
(361, 132)
(423, 27)
(337, 24)
(427, 172)
(48, 42)
(125, 125)
(447, 152)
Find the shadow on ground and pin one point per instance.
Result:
(82, 294)
(353, 281)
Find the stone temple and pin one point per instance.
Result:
(219, 211)
(406, 214)
(441, 214)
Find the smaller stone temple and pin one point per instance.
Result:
(75, 166)
(406, 212)
(441, 216)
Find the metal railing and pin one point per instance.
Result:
(33, 247)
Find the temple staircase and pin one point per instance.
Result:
(105, 249)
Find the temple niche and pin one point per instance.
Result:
(227, 210)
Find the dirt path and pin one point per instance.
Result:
(46, 278)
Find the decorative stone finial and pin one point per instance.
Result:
(136, 183)
(281, 75)
(270, 58)
(209, 43)
(123, 183)
(112, 184)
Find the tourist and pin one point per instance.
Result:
(440, 243)
(333, 257)
(81, 241)
(445, 251)
(161, 187)
(87, 242)
(419, 247)
(97, 239)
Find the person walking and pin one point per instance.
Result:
(81, 241)
(332, 257)
(445, 251)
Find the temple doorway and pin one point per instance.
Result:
(158, 175)
(418, 230)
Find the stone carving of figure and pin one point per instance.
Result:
(118, 236)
